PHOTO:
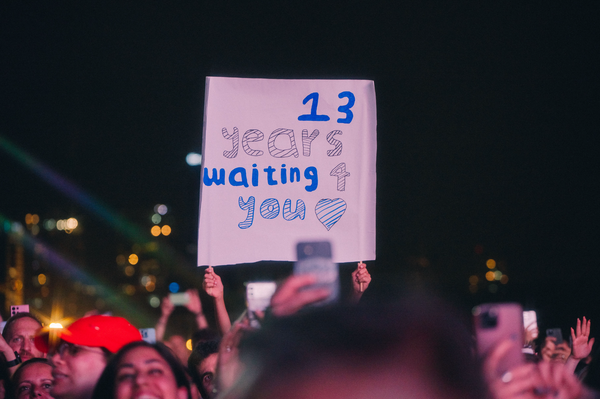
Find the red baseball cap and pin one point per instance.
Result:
(110, 332)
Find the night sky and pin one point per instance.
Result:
(487, 134)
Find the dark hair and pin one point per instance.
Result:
(203, 335)
(201, 352)
(11, 321)
(23, 366)
(393, 334)
(105, 387)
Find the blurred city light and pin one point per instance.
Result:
(497, 275)
(490, 276)
(129, 289)
(174, 287)
(55, 325)
(473, 280)
(121, 260)
(504, 279)
(155, 231)
(71, 223)
(129, 271)
(133, 259)
(193, 159)
(161, 209)
(188, 344)
(42, 279)
(154, 301)
(166, 230)
(156, 218)
(50, 224)
(491, 263)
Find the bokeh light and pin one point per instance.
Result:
(154, 301)
(504, 279)
(188, 344)
(491, 263)
(497, 275)
(193, 159)
(50, 224)
(133, 259)
(42, 279)
(121, 260)
(490, 276)
(166, 230)
(155, 231)
(156, 218)
(174, 287)
(162, 209)
(473, 280)
(129, 271)
(71, 223)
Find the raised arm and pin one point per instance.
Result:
(214, 287)
(166, 308)
(9, 355)
(195, 306)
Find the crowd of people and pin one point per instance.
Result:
(413, 347)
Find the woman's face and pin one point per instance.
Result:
(35, 381)
(143, 374)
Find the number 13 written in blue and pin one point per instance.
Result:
(345, 109)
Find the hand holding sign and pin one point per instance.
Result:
(361, 279)
(212, 283)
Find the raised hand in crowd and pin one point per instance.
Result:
(166, 308)
(581, 343)
(213, 286)
(361, 279)
(194, 305)
(553, 352)
(530, 380)
(291, 296)
(9, 355)
(230, 368)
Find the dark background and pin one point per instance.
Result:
(487, 135)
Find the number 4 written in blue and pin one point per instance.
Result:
(345, 109)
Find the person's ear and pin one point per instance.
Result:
(182, 393)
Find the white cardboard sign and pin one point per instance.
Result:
(287, 161)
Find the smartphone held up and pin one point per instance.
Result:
(496, 324)
(314, 258)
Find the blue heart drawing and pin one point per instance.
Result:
(329, 211)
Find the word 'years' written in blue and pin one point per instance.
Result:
(344, 109)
